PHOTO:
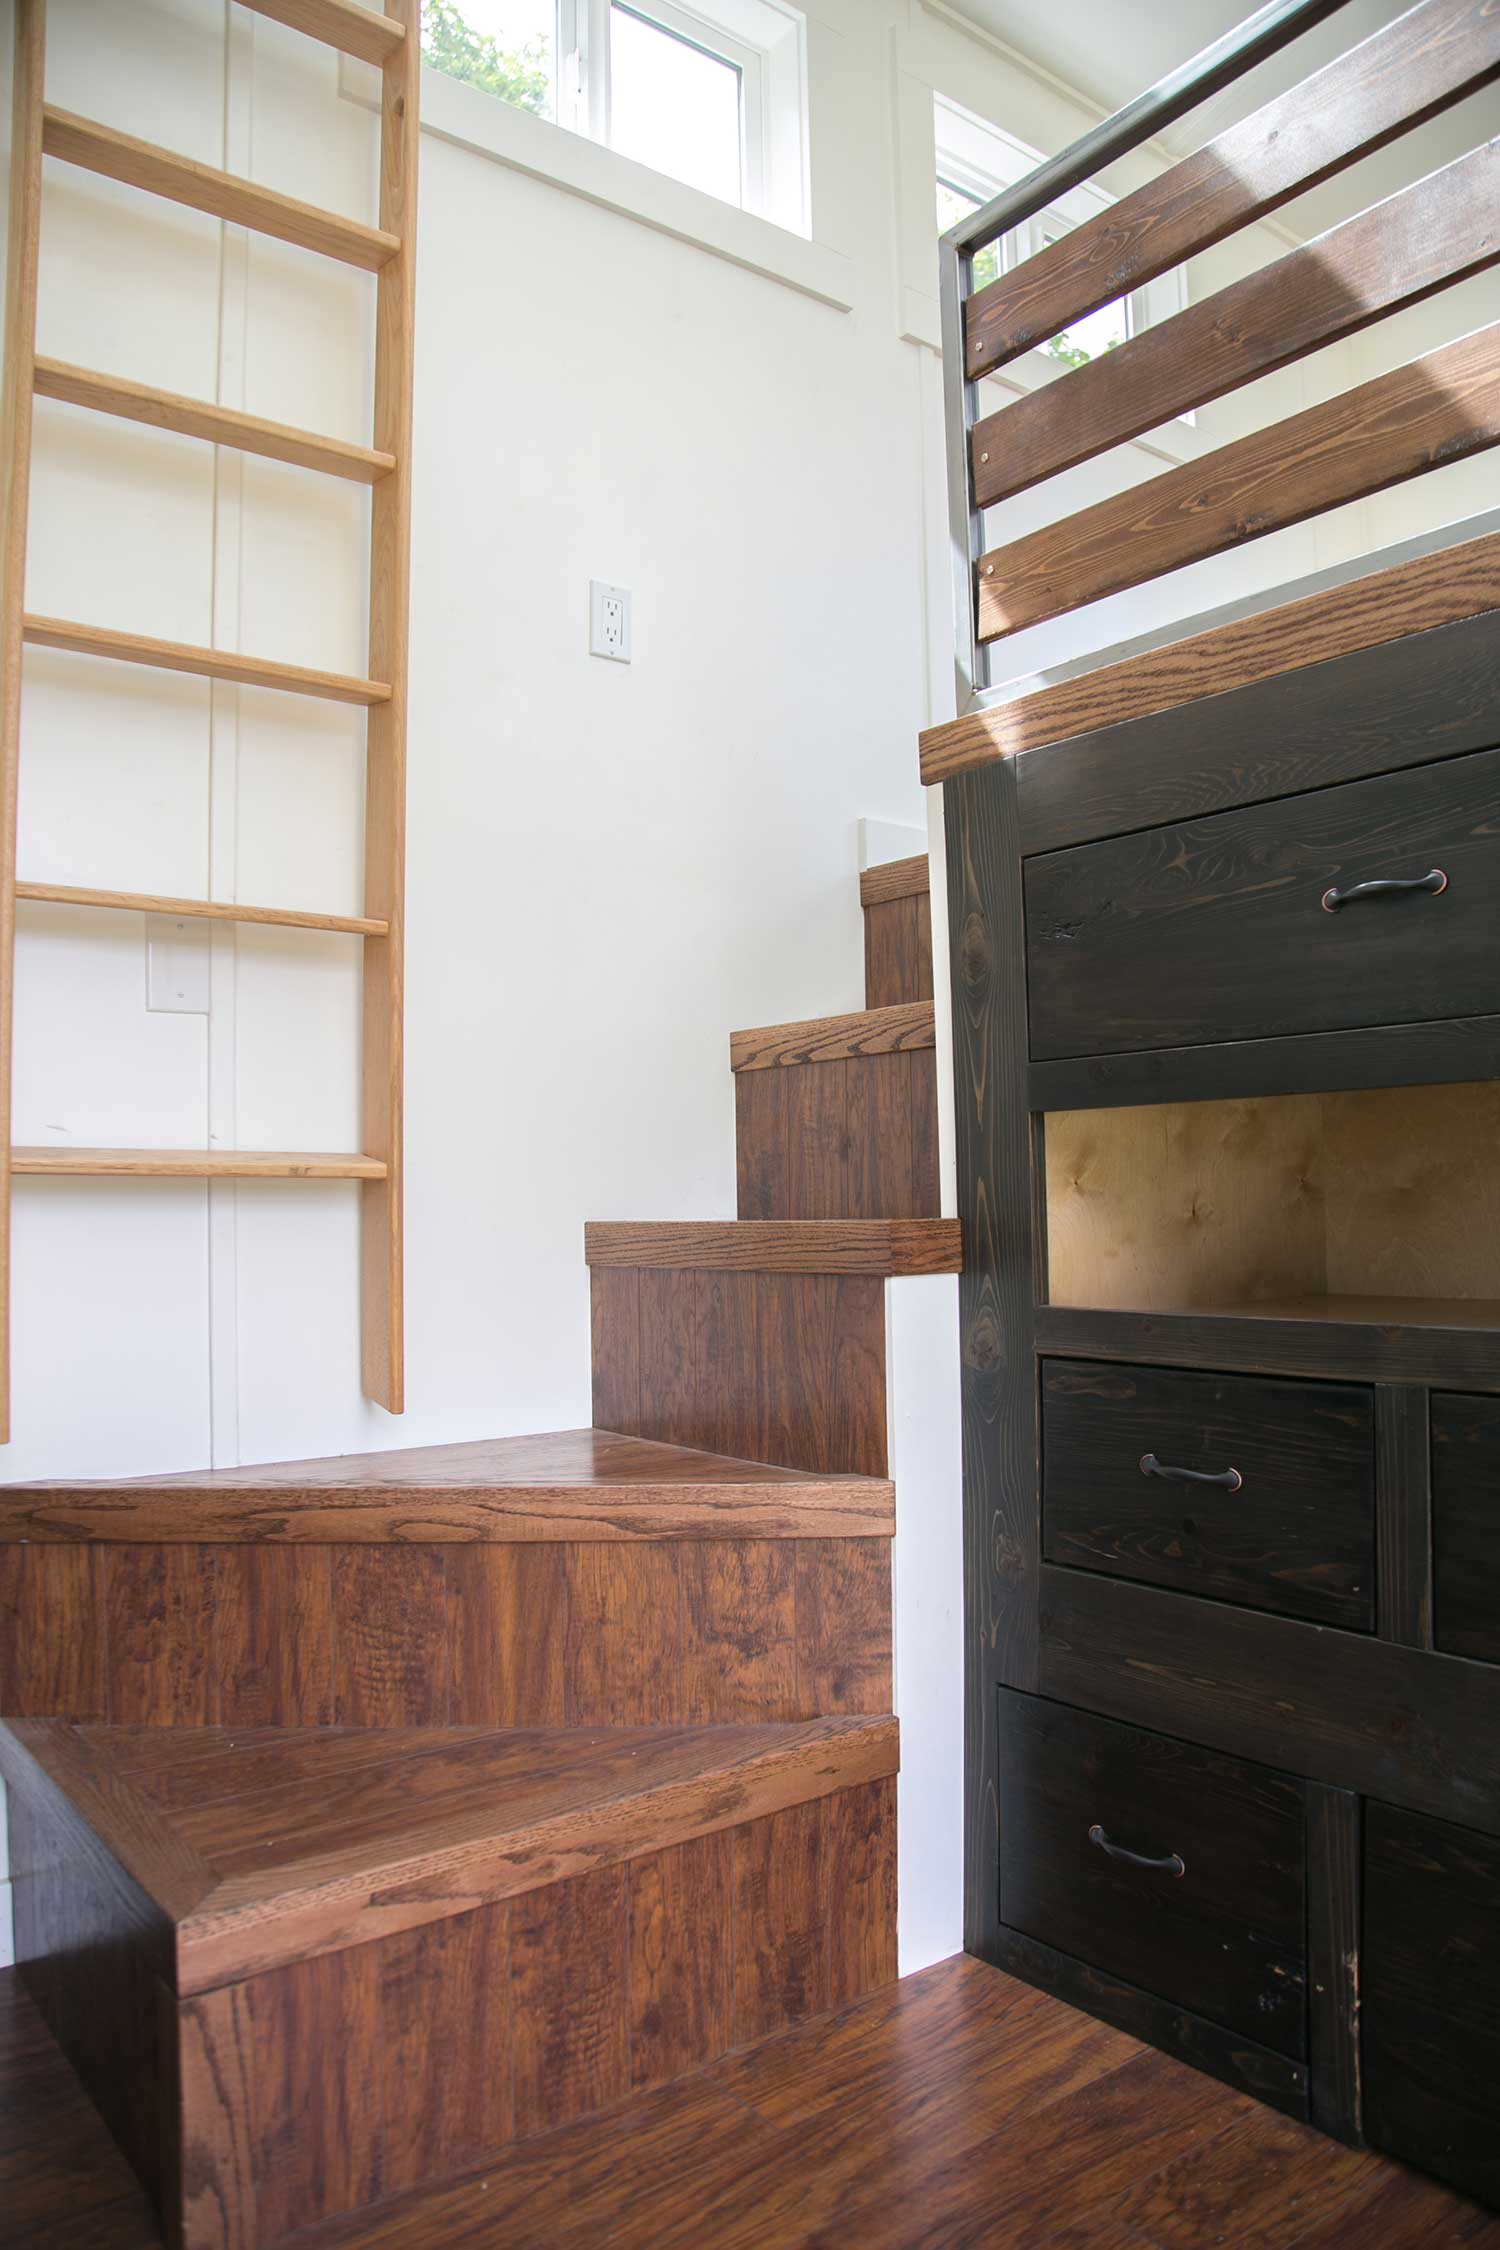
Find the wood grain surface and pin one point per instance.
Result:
(895, 878)
(1430, 57)
(503, 1633)
(577, 1485)
(274, 1858)
(874, 1031)
(1429, 236)
(244, 203)
(200, 418)
(809, 1246)
(1438, 409)
(1411, 597)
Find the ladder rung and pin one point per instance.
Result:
(338, 23)
(141, 164)
(191, 1164)
(206, 663)
(207, 910)
(197, 418)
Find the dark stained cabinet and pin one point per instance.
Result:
(1176, 1869)
(1228, 1151)
(1221, 929)
(1224, 1485)
(1466, 1524)
(1432, 1996)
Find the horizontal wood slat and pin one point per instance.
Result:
(141, 164)
(202, 909)
(878, 1246)
(1412, 597)
(1428, 59)
(197, 418)
(895, 878)
(1431, 235)
(192, 1164)
(204, 663)
(338, 23)
(873, 1031)
(1438, 409)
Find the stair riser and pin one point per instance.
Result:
(898, 951)
(501, 1635)
(783, 1367)
(852, 1139)
(268, 2105)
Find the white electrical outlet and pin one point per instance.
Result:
(609, 621)
(177, 965)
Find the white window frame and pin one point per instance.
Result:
(764, 41)
(982, 159)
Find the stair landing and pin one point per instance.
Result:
(957, 2108)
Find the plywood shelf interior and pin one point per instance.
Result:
(389, 40)
(1381, 1205)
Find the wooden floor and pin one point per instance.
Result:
(957, 2108)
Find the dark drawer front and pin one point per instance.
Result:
(1466, 1525)
(1296, 1535)
(1215, 929)
(1225, 1938)
(1431, 1997)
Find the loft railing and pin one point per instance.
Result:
(1440, 408)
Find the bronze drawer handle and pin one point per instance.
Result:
(1173, 1864)
(1386, 887)
(1229, 1480)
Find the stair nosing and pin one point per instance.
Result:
(239, 1929)
(905, 1027)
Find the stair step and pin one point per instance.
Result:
(578, 1579)
(869, 1031)
(832, 1246)
(895, 878)
(564, 1485)
(303, 1969)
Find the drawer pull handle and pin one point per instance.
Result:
(1173, 1864)
(1229, 1480)
(1386, 887)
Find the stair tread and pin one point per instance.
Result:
(260, 1846)
(894, 1030)
(563, 1484)
(877, 1246)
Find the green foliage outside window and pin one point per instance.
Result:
(521, 76)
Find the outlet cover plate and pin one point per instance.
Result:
(177, 965)
(609, 621)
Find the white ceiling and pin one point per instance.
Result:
(1112, 50)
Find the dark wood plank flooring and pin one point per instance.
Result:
(956, 2108)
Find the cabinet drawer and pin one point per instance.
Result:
(1431, 1997)
(1216, 929)
(1297, 1534)
(1466, 1526)
(1225, 1936)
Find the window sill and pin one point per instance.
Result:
(489, 127)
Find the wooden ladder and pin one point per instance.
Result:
(390, 41)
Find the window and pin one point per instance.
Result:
(708, 91)
(975, 161)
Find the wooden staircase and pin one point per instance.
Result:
(372, 1814)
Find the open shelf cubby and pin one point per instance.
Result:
(1379, 1206)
